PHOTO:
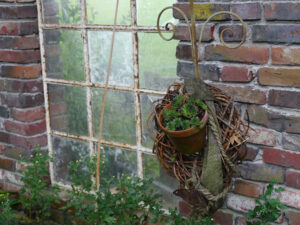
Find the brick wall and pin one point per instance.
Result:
(22, 116)
(264, 77)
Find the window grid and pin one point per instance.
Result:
(88, 85)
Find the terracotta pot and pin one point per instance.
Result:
(187, 141)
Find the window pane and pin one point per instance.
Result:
(162, 182)
(157, 61)
(148, 11)
(147, 107)
(64, 54)
(103, 12)
(117, 161)
(61, 11)
(66, 151)
(68, 109)
(122, 63)
(119, 116)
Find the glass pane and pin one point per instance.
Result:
(157, 61)
(61, 11)
(147, 107)
(103, 12)
(147, 12)
(66, 151)
(122, 63)
(68, 110)
(119, 116)
(162, 182)
(64, 54)
(117, 161)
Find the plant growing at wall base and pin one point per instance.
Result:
(268, 208)
(7, 214)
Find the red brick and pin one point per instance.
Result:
(22, 100)
(9, 187)
(235, 35)
(10, 177)
(28, 115)
(290, 99)
(24, 86)
(290, 198)
(236, 74)
(286, 56)
(262, 136)
(291, 141)
(7, 164)
(27, 129)
(223, 217)
(58, 108)
(292, 178)
(28, 142)
(19, 43)
(282, 11)
(243, 54)
(28, 27)
(248, 188)
(279, 77)
(17, 12)
(10, 28)
(247, 11)
(239, 203)
(251, 153)
(182, 33)
(202, 11)
(244, 94)
(28, 56)
(25, 72)
(4, 137)
(292, 124)
(293, 217)
(282, 158)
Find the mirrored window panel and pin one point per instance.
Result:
(68, 109)
(122, 62)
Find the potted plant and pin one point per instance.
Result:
(184, 121)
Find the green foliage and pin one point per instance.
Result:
(7, 214)
(169, 114)
(37, 196)
(189, 110)
(268, 208)
(177, 102)
(179, 219)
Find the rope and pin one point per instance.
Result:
(104, 97)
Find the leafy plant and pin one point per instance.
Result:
(37, 195)
(184, 113)
(268, 208)
(7, 214)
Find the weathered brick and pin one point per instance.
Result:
(10, 177)
(279, 77)
(9, 28)
(291, 141)
(28, 115)
(239, 203)
(235, 35)
(262, 136)
(4, 112)
(236, 74)
(290, 198)
(261, 172)
(282, 158)
(28, 56)
(27, 129)
(244, 94)
(292, 178)
(182, 33)
(4, 137)
(202, 11)
(290, 99)
(240, 220)
(19, 42)
(286, 56)
(207, 72)
(24, 86)
(282, 11)
(223, 217)
(17, 12)
(9, 187)
(247, 11)
(7, 164)
(22, 100)
(263, 116)
(243, 54)
(28, 71)
(248, 188)
(251, 153)
(28, 142)
(293, 217)
(276, 33)
(292, 124)
(28, 27)
(17, 153)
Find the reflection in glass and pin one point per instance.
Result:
(157, 61)
(103, 12)
(68, 109)
(61, 11)
(122, 62)
(162, 182)
(64, 54)
(66, 151)
(119, 116)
